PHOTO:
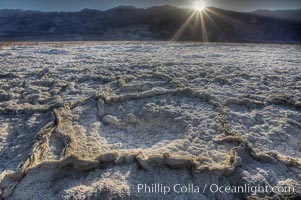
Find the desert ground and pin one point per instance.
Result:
(92, 120)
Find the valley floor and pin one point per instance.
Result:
(93, 120)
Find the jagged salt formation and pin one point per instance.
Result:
(87, 120)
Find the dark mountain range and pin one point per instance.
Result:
(160, 23)
(294, 15)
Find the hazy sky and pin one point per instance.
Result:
(75, 5)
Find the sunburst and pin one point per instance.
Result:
(200, 16)
(199, 8)
(199, 5)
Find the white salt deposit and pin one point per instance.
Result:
(91, 120)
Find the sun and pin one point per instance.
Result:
(199, 5)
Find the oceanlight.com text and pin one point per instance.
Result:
(254, 190)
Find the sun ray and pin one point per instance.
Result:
(204, 29)
(183, 27)
(201, 21)
(197, 19)
(211, 21)
(232, 21)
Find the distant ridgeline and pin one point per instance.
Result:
(156, 23)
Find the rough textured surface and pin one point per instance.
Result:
(92, 120)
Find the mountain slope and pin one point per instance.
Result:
(294, 15)
(162, 23)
